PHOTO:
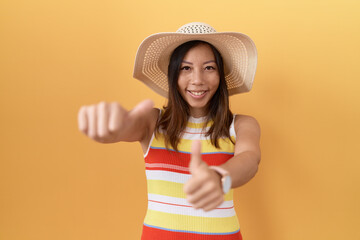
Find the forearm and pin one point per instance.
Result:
(242, 167)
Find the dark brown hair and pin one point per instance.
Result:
(176, 114)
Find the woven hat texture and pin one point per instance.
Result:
(237, 50)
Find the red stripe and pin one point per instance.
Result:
(183, 159)
(167, 169)
(173, 204)
(150, 233)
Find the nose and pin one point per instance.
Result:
(197, 77)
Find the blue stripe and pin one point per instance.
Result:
(161, 148)
(184, 231)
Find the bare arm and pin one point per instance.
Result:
(110, 122)
(244, 165)
(204, 188)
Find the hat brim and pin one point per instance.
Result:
(237, 50)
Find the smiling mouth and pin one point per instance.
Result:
(197, 93)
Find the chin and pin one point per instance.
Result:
(198, 106)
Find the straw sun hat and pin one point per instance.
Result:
(237, 50)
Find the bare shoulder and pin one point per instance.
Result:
(151, 120)
(246, 123)
(247, 131)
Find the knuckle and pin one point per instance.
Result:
(115, 106)
(116, 126)
(102, 105)
(91, 109)
(82, 109)
(116, 109)
(210, 187)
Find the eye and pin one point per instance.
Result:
(210, 68)
(186, 68)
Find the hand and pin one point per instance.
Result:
(204, 188)
(107, 122)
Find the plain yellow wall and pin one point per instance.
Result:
(58, 55)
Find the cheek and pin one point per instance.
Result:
(216, 83)
(180, 87)
(181, 83)
(213, 80)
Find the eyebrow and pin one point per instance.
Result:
(203, 63)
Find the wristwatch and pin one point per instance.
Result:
(225, 177)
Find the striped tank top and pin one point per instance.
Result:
(169, 216)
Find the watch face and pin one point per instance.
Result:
(226, 184)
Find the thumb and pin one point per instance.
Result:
(195, 160)
(142, 108)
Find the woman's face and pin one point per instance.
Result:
(198, 78)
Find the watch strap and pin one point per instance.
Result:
(225, 178)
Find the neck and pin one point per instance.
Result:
(198, 113)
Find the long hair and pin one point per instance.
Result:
(177, 112)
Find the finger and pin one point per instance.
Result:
(195, 161)
(82, 120)
(116, 115)
(142, 108)
(205, 200)
(91, 116)
(207, 190)
(102, 120)
(213, 204)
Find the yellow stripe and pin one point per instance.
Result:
(199, 125)
(166, 188)
(206, 146)
(191, 223)
(173, 189)
(229, 196)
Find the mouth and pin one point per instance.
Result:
(197, 93)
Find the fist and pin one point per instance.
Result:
(107, 122)
(203, 190)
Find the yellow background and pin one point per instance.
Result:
(58, 55)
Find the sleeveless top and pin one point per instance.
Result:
(169, 216)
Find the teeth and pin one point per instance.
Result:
(197, 93)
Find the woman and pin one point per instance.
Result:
(195, 149)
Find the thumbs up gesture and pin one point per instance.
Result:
(110, 122)
(204, 188)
